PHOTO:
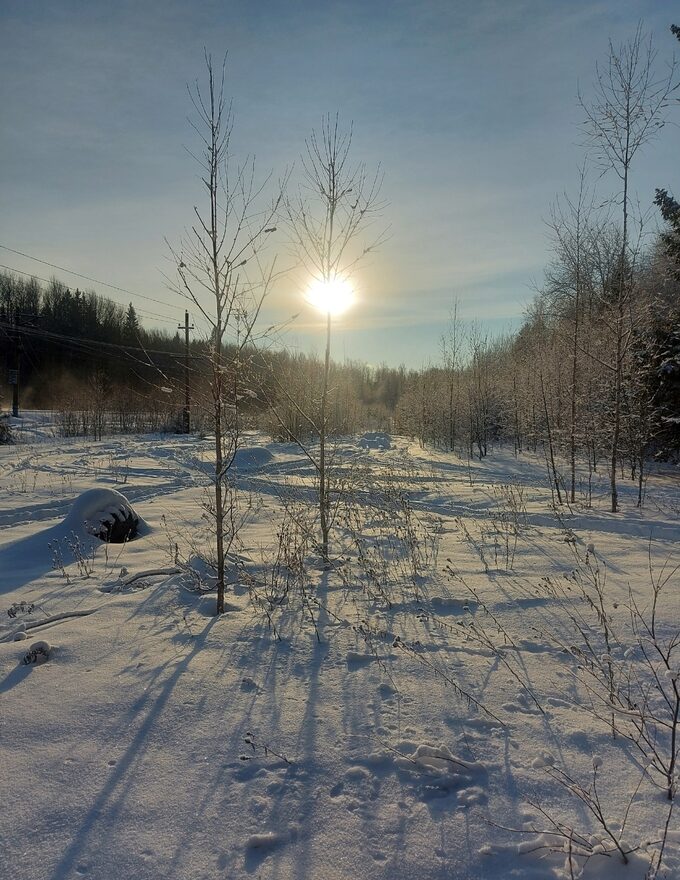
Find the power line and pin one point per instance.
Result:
(80, 275)
(89, 347)
(48, 281)
(86, 343)
(145, 314)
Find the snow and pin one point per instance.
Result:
(375, 440)
(251, 458)
(320, 737)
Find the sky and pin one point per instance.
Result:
(469, 108)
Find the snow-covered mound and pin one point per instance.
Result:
(375, 440)
(39, 652)
(106, 514)
(32, 426)
(250, 458)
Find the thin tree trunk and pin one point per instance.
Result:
(217, 342)
(619, 350)
(550, 443)
(324, 500)
(574, 368)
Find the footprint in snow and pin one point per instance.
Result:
(357, 661)
(249, 685)
(522, 704)
(259, 846)
(558, 703)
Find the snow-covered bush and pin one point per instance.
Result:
(39, 652)
(17, 609)
(106, 514)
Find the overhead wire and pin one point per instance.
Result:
(85, 343)
(94, 347)
(140, 311)
(90, 347)
(80, 275)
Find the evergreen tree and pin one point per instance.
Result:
(670, 238)
(131, 326)
(670, 211)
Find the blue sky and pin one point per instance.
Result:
(470, 108)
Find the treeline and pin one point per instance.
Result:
(593, 374)
(92, 360)
(552, 387)
(62, 338)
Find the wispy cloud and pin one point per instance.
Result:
(470, 108)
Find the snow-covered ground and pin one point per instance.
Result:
(420, 710)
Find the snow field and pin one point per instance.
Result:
(392, 717)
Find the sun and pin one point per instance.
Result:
(331, 297)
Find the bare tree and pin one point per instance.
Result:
(626, 112)
(481, 397)
(220, 270)
(450, 345)
(573, 227)
(328, 219)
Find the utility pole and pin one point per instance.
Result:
(18, 345)
(187, 398)
(14, 374)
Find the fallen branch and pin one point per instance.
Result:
(150, 572)
(55, 618)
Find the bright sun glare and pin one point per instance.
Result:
(331, 297)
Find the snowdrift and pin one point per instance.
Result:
(250, 458)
